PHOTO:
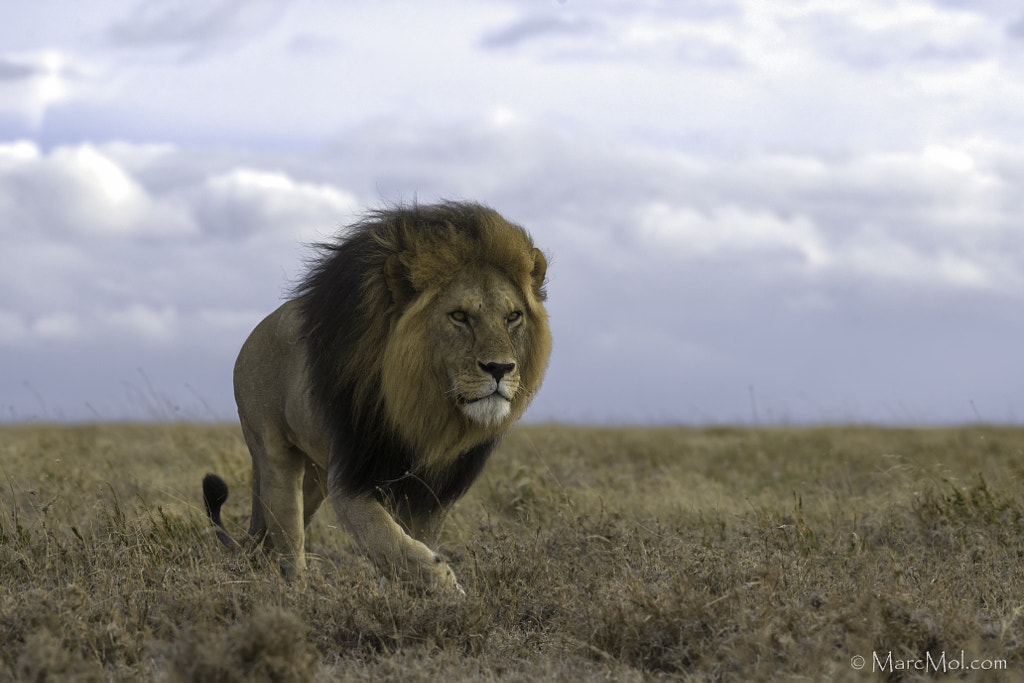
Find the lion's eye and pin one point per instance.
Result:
(514, 316)
(459, 316)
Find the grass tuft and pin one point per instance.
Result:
(270, 645)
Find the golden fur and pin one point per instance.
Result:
(411, 346)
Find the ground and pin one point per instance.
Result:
(715, 554)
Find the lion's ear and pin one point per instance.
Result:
(397, 278)
(538, 274)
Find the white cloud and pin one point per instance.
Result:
(248, 201)
(20, 151)
(877, 34)
(767, 37)
(197, 27)
(104, 196)
(78, 191)
(32, 82)
(144, 322)
(881, 257)
(943, 216)
(90, 191)
(761, 234)
(63, 326)
(240, 322)
(537, 27)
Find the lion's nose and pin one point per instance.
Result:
(497, 370)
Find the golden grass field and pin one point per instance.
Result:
(586, 554)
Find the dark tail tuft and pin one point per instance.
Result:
(215, 493)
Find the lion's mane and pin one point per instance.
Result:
(396, 438)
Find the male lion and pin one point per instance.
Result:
(411, 346)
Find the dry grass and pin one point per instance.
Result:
(622, 554)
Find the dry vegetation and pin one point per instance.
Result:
(622, 554)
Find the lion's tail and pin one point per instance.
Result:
(215, 493)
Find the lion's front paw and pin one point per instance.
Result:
(442, 578)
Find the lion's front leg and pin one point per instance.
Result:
(423, 526)
(388, 545)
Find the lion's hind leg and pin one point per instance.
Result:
(314, 490)
(278, 471)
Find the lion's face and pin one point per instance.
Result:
(479, 327)
(467, 344)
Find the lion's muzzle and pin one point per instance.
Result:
(489, 401)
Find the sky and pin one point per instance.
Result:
(795, 212)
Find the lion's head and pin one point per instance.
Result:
(432, 318)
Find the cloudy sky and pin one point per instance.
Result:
(772, 212)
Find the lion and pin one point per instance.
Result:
(409, 348)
